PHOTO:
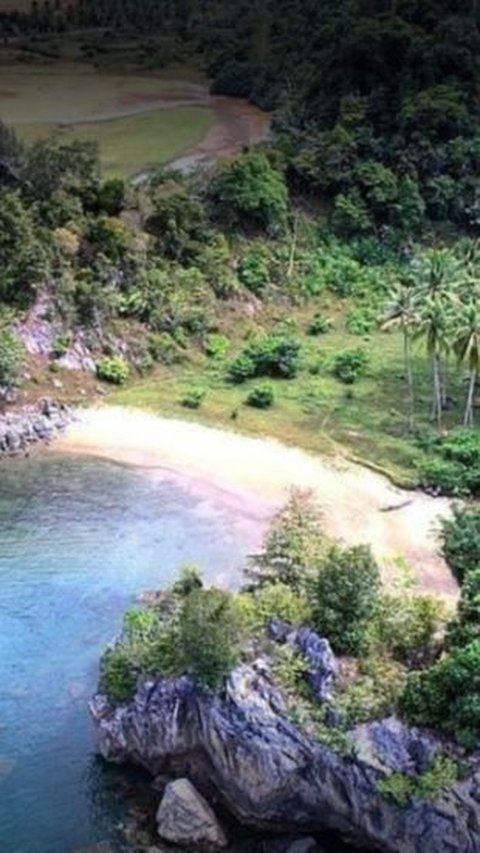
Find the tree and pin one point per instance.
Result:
(433, 326)
(467, 348)
(250, 192)
(346, 594)
(402, 313)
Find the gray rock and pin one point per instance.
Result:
(270, 775)
(31, 424)
(391, 747)
(185, 818)
(316, 650)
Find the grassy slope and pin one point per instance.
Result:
(130, 144)
(367, 421)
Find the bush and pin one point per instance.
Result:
(349, 365)
(374, 693)
(261, 397)
(454, 469)
(274, 355)
(12, 358)
(441, 476)
(193, 398)
(447, 696)
(209, 635)
(163, 348)
(119, 679)
(254, 270)
(217, 346)
(460, 537)
(274, 600)
(346, 595)
(407, 623)
(465, 628)
(114, 370)
(361, 321)
(320, 325)
(439, 778)
(293, 547)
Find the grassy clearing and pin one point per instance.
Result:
(367, 421)
(131, 144)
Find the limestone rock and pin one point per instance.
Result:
(185, 818)
(270, 774)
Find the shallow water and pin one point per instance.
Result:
(79, 538)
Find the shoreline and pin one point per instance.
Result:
(256, 474)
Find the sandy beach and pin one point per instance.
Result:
(359, 506)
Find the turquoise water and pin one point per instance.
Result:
(79, 539)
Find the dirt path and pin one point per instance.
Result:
(358, 505)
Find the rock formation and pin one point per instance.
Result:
(31, 424)
(242, 750)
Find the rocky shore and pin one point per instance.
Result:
(244, 755)
(22, 428)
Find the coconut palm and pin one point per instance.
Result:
(401, 313)
(434, 327)
(467, 348)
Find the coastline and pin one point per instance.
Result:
(255, 474)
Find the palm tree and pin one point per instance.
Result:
(401, 313)
(434, 326)
(467, 348)
(440, 279)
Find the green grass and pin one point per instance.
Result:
(131, 144)
(367, 421)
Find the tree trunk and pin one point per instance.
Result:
(437, 395)
(409, 375)
(293, 247)
(468, 419)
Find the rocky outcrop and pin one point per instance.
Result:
(29, 425)
(185, 818)
(242, 750)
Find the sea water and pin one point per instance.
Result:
(79, 540)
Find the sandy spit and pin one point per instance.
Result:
(257, 473)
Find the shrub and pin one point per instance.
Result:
(12, 358)
(442, 476)
(262, 396)
(447, 696)
(362, 320)
(217, 346)
(407, 623)
(460, 538)
(439, 778)
(294, 545)
(273, 355)
(454, 468)
(320, 325)
(273, 600)
(242, 368)
(193, 398)
(465, 627)
(209, 635)
(119, 679)
(254, 270)
(349, 365)
(346, 594)
(374, 693)
(114, 370)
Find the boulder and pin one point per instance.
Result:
(185, 818)
(270, 774)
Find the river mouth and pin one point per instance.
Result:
(79, 540)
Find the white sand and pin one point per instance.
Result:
(257, 474)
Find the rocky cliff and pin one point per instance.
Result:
(21, 428)
(242, 749)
